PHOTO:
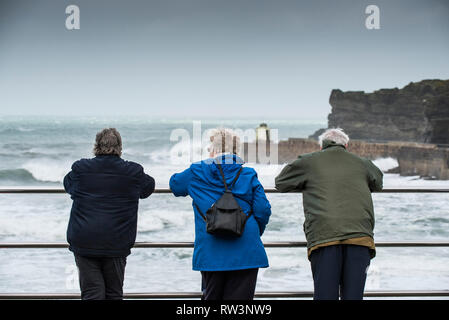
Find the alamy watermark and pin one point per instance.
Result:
(372, 22)
(249, 144)
(72, 21)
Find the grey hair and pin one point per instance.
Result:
(108, 142)
(224, 140)
(335, 134)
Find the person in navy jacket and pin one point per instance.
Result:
(103, 221)
(228, 265)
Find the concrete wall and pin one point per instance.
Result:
(426, 160)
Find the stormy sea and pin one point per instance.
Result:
(39, 151)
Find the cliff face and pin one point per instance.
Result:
(418, 113)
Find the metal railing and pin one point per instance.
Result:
(270, 244)
(12, 190)
(195, 295)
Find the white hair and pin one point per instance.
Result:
(224, 140)
(335, 134)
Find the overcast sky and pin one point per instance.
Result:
(212, 58)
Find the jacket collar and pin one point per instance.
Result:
(228, 158)
(225, 158)
(330, 143)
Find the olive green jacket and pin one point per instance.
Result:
(336, 187)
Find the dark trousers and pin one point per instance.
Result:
(101, 278)
(229, 285)
(339, 270)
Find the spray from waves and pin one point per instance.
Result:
(386, 164)
(266, 173)
(159, 156)
(182, 152)
(186, 152)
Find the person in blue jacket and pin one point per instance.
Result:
(228, 265)
(103, 221)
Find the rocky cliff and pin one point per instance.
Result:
(419, 112)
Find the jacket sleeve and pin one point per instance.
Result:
(147, 184)
(261, 206)
(70, 179)
(292, 177)
(179, 183)
(68, 182)
(375, 177)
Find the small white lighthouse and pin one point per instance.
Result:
(263, 133)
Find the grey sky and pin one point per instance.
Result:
(227, 58)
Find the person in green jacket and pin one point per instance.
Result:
(339, 214)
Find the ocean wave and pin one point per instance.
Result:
(22, 129)
(17, 175)
(17, 146)
(432, 221)
(42, 154)
(160, 166)
(47, 170)
(31, 154)
(16, 130)
(34, 173)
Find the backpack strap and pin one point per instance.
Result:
(226, 187)
(236, 177)
(224, 179)
(199, 211)
(222, 176)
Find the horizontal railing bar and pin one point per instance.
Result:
(193, 295)
(167, 190)
(269, 244)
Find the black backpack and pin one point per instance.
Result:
(225, 217)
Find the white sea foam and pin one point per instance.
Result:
(22, 129)
(397, 181)
(159, 156)
(266, 173)
(386, 164)
(48, 170)
(187, 151)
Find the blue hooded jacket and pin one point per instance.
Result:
(203, 182)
